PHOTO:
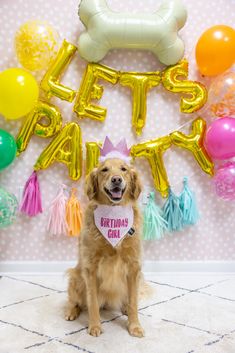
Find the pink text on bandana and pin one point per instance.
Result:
(113, 222)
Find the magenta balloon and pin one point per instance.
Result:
(224, 181)
(220, 139)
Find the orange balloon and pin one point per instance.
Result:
(215, 50)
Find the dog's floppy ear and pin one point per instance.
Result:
(135, 187)
(92, 184)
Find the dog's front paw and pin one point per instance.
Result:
(135, 330)
(95, 330)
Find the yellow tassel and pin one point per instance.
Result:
(73, 214)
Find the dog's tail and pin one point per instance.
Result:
(145, 290)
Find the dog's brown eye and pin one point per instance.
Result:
(123, 169)
(104, 169)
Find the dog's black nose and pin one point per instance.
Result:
(116, 179)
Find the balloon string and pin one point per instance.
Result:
(185, 124)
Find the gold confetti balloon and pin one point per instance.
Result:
(36, 45)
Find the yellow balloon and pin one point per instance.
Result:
(194, 143)
(90, 89)
(153, 150)
(195, 92)
(50, 83)
(140, 83)
(92, 156)
(65, 148)
(19, 93)
(36, 45)
(33, 125)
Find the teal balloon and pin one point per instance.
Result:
(7, 149)
(8, 208)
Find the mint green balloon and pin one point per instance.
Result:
(7, 149)
(8, 208)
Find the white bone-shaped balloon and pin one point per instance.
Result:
(106, 29)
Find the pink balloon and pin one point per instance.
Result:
(224, 181)
(220, 139)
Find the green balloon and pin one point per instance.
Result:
(7, 149)
(8, 208)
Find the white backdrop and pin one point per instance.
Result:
(213, 238)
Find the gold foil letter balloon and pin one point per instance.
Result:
(106, 29)
(50, 83)
(194, 143)
(90, 89)
(33, 125)
(195, 92)
(92, 156)
(139, 83)
(65, 148)
(153, 150)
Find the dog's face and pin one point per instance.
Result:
(113, 182)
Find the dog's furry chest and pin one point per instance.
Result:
(112, 280)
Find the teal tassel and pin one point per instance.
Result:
(188, 205)
(154, 223)
(172, 213)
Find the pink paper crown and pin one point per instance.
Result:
(120, 151)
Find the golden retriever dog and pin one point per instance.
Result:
(107, 276)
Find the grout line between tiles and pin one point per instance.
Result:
(23, 301)
(217, 296)
(59, 340)
(187, 289)
(33, 283)
(24, 328)
(86, 327)
(28, 300)
(74, 345)
(210, 343)
(39, 344)
(192, 327)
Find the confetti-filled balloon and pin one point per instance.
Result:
(224, 181)
(221, 95)
(8, 208)
(19, 93)
(36, 45)
(7, 149)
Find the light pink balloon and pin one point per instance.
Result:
(224, 181)
(220, 139)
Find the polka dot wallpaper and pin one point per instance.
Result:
(213, 238)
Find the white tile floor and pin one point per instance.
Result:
(188, 313)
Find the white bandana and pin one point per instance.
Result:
(114, 222)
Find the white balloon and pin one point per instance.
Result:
(106, 29)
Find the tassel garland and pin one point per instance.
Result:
(172, 213)
(73, 214)
(188, 205)
(154, 223)
(57, 219)
(31, 203)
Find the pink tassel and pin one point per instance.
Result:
(31, 203)
(57, 218)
